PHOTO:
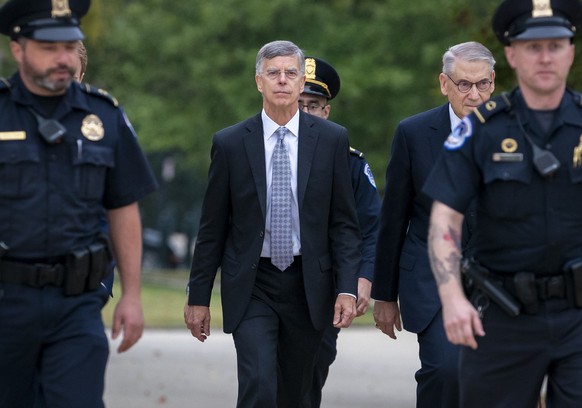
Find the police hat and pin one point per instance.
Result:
(320, 78)
(536, 19)
(43, 20)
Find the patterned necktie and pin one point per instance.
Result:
(281, 243)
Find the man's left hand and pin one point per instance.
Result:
(364, 290)
(129, 316)
(344, 311)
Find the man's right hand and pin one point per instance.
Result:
(387, 317)
(197, 319)
(461, 320)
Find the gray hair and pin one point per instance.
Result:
(467, 51)
(279, 49)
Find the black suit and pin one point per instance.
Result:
(231, 237)
(402, 268)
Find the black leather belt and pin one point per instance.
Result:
(35, 275)
(296, 259)
(547, 287)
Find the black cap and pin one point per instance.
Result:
(516, 20)
(320, 78)
(43, 20)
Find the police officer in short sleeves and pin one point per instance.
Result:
(322, 84)
(67, 155)
(519, 154)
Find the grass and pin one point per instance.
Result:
(163, 299)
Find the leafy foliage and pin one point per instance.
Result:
(185, 69)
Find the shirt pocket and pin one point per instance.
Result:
(508, 192)
(91, 163)
(19, 170)
(570, 196)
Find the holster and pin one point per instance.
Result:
(573, 272)
(77, 270)
(526, 291)
(86, 267)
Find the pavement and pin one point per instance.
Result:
(171, 369)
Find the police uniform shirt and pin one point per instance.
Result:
(52, 196)
(368, 208)
(526, 222)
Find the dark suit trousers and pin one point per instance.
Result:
(276, 342)
(438, 377)
(508, 367)
(325, 357)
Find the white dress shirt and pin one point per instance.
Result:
(455, 120)
(291, 142)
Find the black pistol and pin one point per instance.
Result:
(3, 248)
(478, 277)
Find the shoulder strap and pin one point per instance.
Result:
(577, 97)
(99, 92)
(356, 152)
(492, 107)
(4, 84)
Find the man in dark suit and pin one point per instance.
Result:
(277, 311)
(402, 269)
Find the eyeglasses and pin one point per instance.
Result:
(312, 107)
(275, 73)
(465, 86)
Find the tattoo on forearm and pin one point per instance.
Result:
(444, 266)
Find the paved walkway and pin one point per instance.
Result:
(171, 369)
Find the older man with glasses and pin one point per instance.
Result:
(402, 270)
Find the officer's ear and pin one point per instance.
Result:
(510, 55)
(17, 49)
(326, 109)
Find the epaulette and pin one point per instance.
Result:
(4, 84)
(99, 92)
(492, 107)
(356, 152)
(577, 96)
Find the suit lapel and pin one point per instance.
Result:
(255, 151)
(441, 129)
(306, 150)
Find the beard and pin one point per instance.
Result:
(43, 78)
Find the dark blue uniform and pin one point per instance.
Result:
(525, 223)
(368, 208)
(52, 202)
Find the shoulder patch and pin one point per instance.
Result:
(99, 92)
(4, 84)
(368, 173)
(356, 152)
(492, 107)
(459, 134)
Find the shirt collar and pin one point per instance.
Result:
(455, 120)
(269, 126)
(74, 97)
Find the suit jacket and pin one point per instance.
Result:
(402, 269)
(232, 222)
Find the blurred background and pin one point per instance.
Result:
(184, 69)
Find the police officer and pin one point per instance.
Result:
(67, 155)
(520, 154)
(322, 84)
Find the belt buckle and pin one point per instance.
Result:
(46, 274)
